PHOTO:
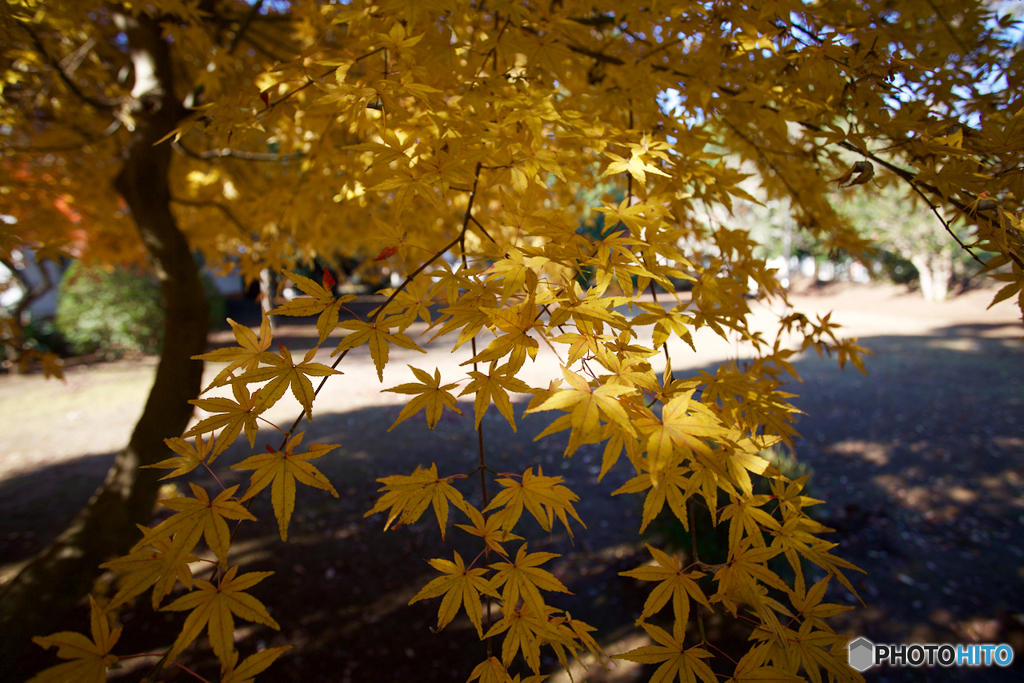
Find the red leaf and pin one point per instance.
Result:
(269, 449)
(329, 280)
(265, 96)
(386, 252)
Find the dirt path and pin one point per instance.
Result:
(922, 465)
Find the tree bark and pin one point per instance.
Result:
(935, 271)
(55, 582)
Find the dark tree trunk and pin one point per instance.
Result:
(56, 581)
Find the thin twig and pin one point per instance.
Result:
(96, 102)
(482, 229)
(696, 559)
(942, 220)
(459, 239)
(249, 16)
(199, 204)
(234, 153)
(114, 126)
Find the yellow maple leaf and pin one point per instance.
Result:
(252, 665)
(522, 578)
(747, 567)
(635, 166)
(246, 356)
(566, 633)
(190, 456)
(489, 529)
(282, 372)
(494, 386)
(526, 630)
(149, 567)
(683, 424)
(468, 317)
(213, 606)
(687, 664)
(743, 458)
(808, 603)
(515, 271)
(580, 345)
(751, 669)
(377, 336)
(544, 497)
(90, 658)
(618, 441)
(628, 371)
(745, 515)
(516, 322)
(588, 406)
(409, 496)
(666, 322)
(797, 534)
(319, 300)
(813, 650)
(673, 485)
(490, 670)
(459, 586)
(282, 468)
(430, 397)
(674, 584)
(848, 349)
(197, 516)
(235, 416)
(411, 304)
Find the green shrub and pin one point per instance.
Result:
(118, 312)
(897, 269)
(41, 334)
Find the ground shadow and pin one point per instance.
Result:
(38, 504)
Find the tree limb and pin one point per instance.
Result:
(210, 204)
(250, 15)
(101, 103)
(235, 153)
(114, 126)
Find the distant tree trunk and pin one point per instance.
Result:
(55, 581)
(268, 287)
(935, 271)
(30, 294)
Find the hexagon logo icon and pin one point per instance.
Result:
(862, 654)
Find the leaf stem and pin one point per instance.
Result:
(696, 559)
(188, 670)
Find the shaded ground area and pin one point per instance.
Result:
(921, 465)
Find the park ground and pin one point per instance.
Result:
(921, 465)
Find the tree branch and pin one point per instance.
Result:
(104, 104)
(114, 126)
(768, 162)
(942, 220)
(210, 204)
(262, 49)
(234, 153)
(250, 15)
(30, 292)
(272, 40)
